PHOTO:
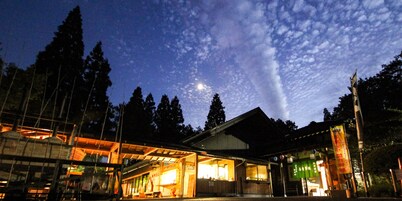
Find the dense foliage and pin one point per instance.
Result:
(381, 105)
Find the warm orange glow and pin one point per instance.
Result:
(216, 169)
(256, 172)
(168, 177)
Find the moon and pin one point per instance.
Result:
(200, 87)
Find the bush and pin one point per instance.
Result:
(383, 189)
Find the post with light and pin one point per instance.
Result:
(282, 159)
(393, 183)
(359, 126)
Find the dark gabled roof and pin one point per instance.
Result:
(315, 135)
(253, 127)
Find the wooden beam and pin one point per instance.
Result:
(92, 147)
(149, 150)
(114, 147)
(62, 161)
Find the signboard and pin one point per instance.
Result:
(341, 149)
(304, 169)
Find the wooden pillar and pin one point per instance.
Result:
(196, 175)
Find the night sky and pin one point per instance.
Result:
(291, 58)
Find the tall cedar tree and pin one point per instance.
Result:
(134, 124)
(62, 62)
(163, 119)
(177, 118)
(149, 107)
(216, 115)
(97, 81)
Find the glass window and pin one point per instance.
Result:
(168, 177)
(213, 168)
(256, 172)
(137, 184)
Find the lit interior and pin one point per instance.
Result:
(256, 172)
(168, 177)
(218, 169)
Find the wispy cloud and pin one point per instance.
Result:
(235, 36)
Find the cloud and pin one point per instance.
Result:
(272, 54)
(282, 29)
(298, 6)
(371, 4)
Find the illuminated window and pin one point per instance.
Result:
(256, 172)
(169, 177)
(212, 168)
(136, 184)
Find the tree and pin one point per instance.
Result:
(97, 81)
(188, 130)
(163, 119)
(62, 63)
(291, 125)
(284, 127)
(216, 114)
(177, 118)
(382, 158)
(1, 67)
(327, 115)
(149, 107)
(134, 126)
(1, 70)
(11, 90)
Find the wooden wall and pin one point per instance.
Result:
(209, 187)
(245, 187)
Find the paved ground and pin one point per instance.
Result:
(293, 198)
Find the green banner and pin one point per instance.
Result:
(304, 169)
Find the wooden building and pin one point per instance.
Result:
(245, 156)
(241, 140)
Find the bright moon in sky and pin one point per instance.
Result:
(200, 87)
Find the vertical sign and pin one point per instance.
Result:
(341, 149)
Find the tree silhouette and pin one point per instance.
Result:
(62, 63)
(216, 115)
(177, 118)
(163, 119)
(135, 126)
(149, 107)
(97, 81)
(327, 115)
